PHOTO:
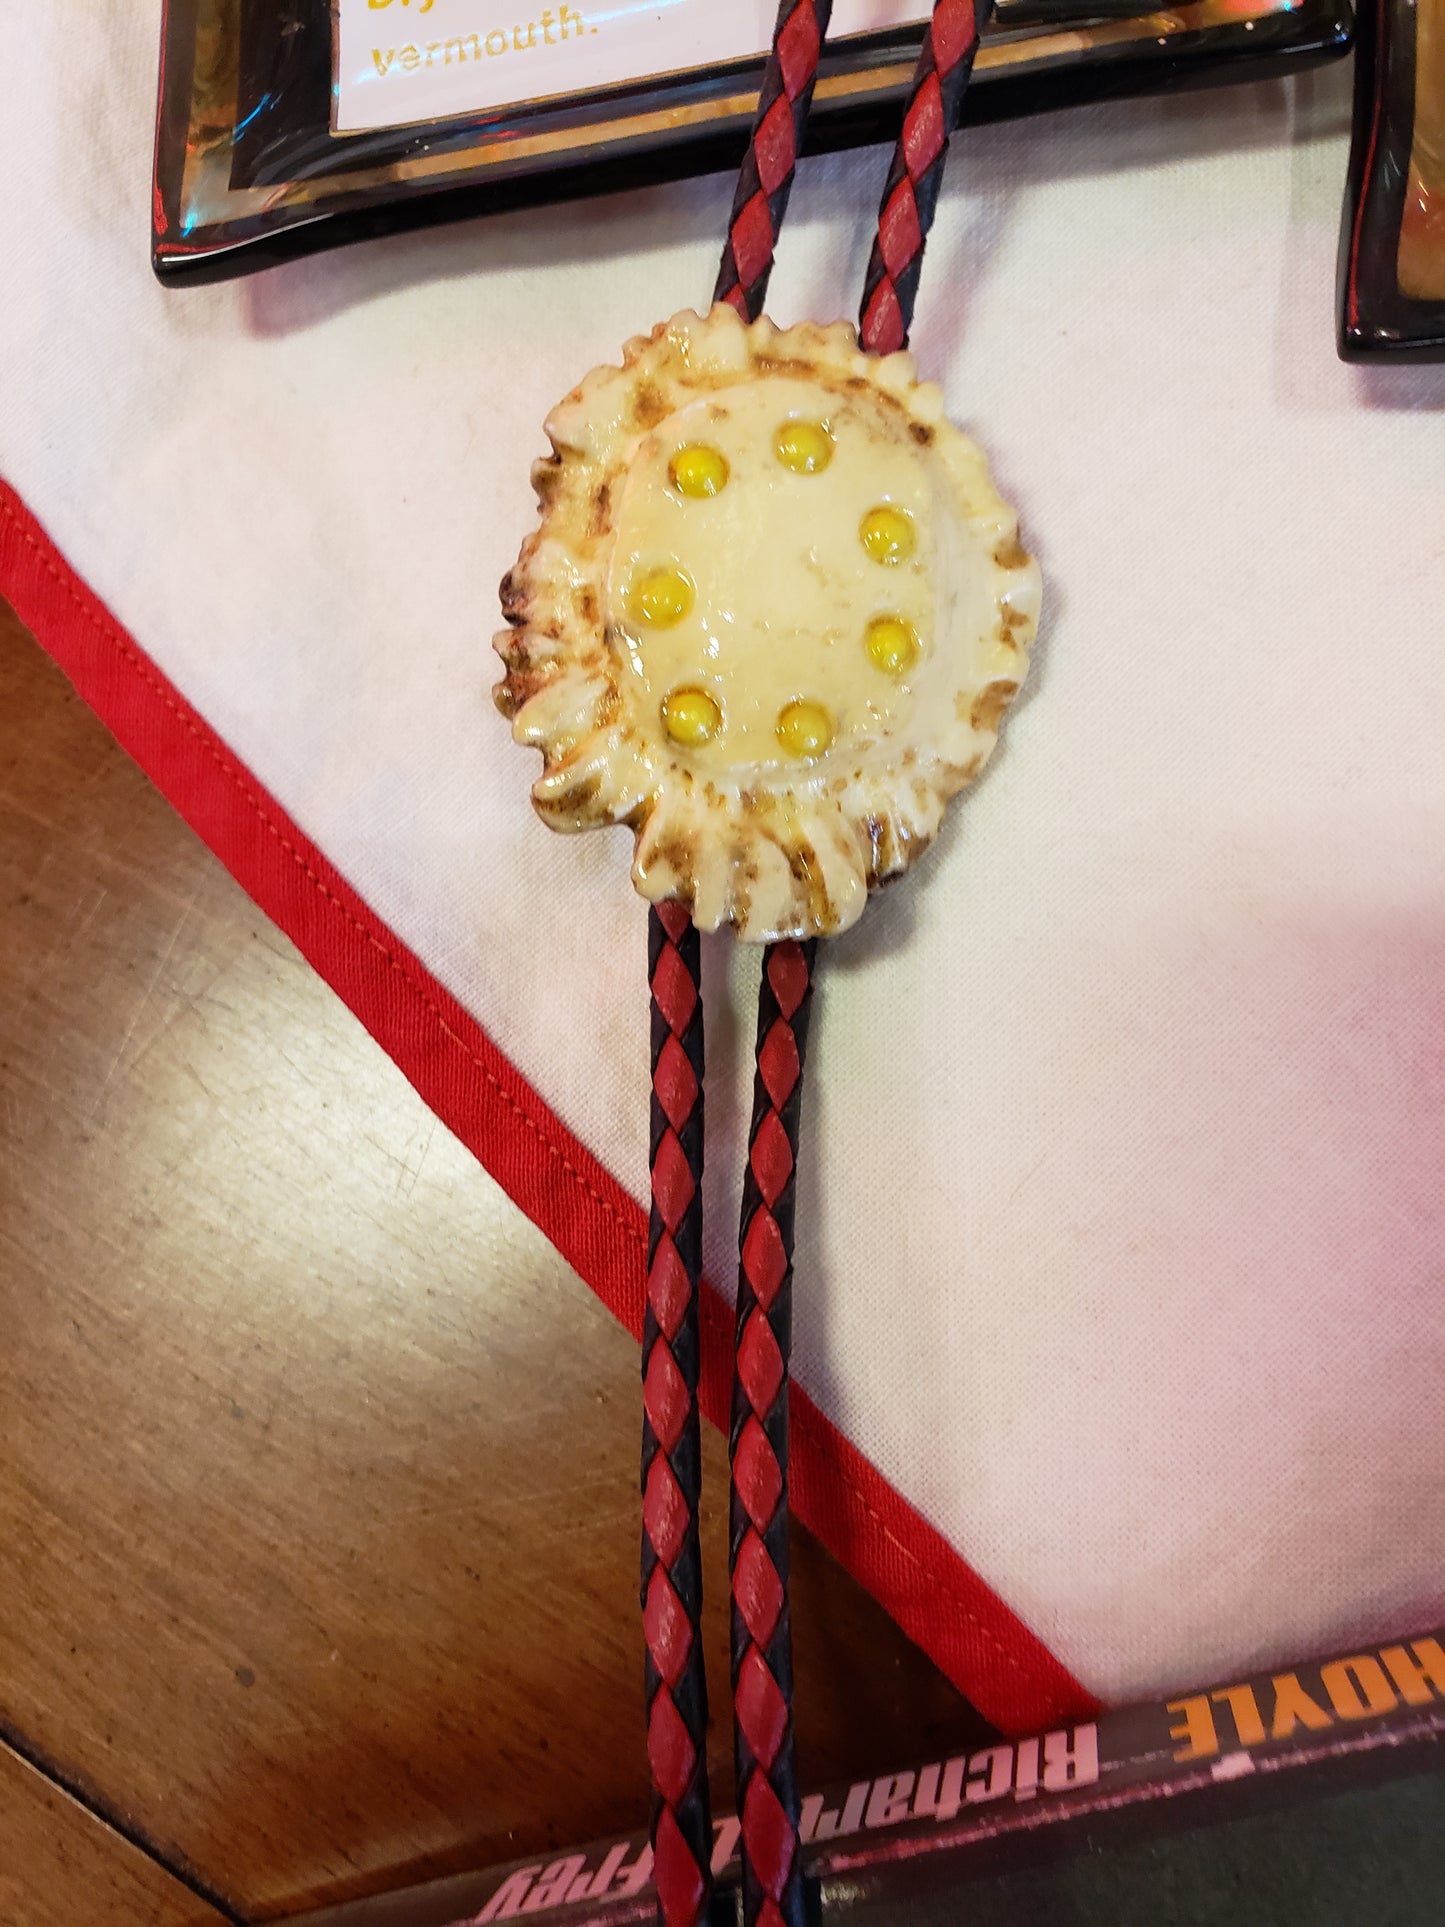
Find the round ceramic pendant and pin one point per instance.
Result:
(771, 620)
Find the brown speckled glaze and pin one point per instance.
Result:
(733, 826)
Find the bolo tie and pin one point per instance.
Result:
(770, 622)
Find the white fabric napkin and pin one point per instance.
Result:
(1122, 1211)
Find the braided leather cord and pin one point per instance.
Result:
(671, 1448)
(762, 1650)
(762, 1673)
(766, 178)
(671, 1344)
(910, 198)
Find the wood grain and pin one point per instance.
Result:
(318, 1467)
(59, 1864)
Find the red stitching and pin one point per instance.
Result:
(142, 668)
(716, 1315)
(829, 1451)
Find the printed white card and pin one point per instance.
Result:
(403, 61)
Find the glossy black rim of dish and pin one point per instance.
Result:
(693, 126)
(1376, 320)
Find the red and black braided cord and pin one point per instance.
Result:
(671, 1447)
(762, 1678)
(766, 177)
(910, 197)
(762, 1650)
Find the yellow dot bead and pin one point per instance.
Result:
(698, 471)
(661, 597)
(691, 717)
(805, 729)
(804, 447)
(892, 644)
(888, 534)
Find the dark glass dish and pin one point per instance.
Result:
(249, 171)
(1391, 291)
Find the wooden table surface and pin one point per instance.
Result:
(318, 1466)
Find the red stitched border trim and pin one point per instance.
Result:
(909, 1567)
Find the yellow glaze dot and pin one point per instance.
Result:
(892, 644)
(698, 471)
(661, 597)
(888, 534)
(804, 447)
(691, 716)
(805, 729)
